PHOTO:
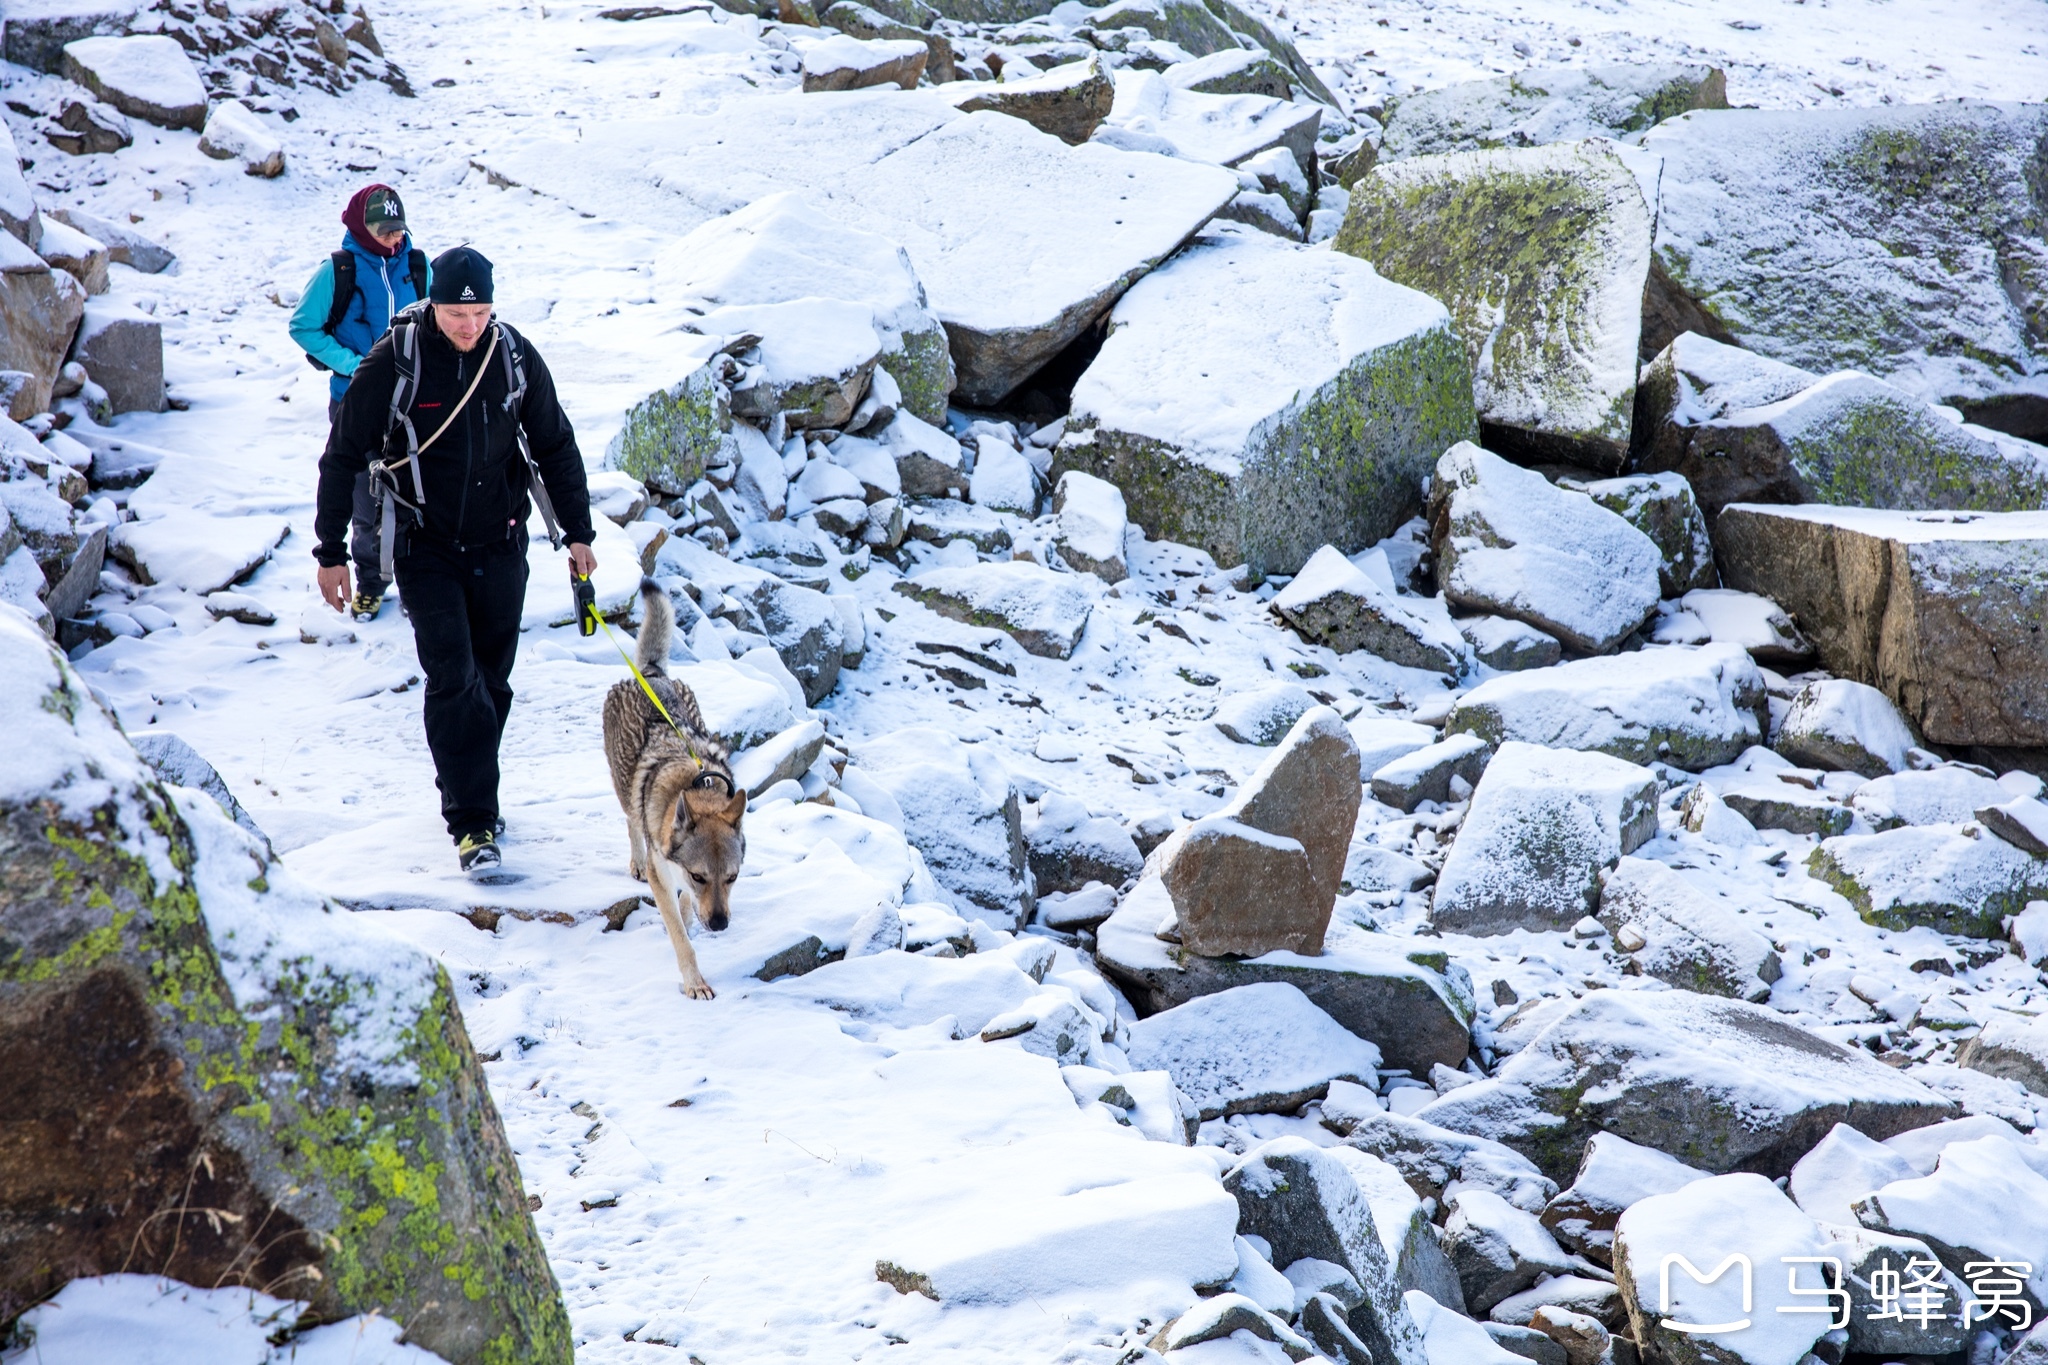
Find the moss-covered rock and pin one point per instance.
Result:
(1744, 428)
(217, 1076)
(1533, 107)
(1906, 241)
(1188, 24)
(1663, 508)
(1953, 882)
(1541, 254)
(670, 435)
(1261, 401)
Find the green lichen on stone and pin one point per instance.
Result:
(1980, 918)
(1885, 450)
(669, 436)
(1343, 466)
(923, 369)
(363, 1165)
(1520, 246)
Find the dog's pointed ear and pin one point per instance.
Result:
(735, 808)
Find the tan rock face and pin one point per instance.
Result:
(1238, 891)
(1941, 611)
(1070, 101)
(39, 313)
(1262, 874)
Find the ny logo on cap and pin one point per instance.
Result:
(467, 292)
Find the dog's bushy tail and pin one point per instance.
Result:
(657, 630)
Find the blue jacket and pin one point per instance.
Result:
(383, 286)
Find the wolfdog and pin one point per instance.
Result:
(676, 787)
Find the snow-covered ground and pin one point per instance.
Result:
(718, 1181)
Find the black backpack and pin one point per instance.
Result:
(344, 262)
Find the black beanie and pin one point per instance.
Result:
(461, 276)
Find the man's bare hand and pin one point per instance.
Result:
(581, 561)
(334, 586)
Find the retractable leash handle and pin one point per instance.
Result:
(587, 619)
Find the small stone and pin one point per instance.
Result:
(1092, 525)
(2012, 1047)
(1663, 508)
(1613, 1174)
(1263, 715)
(1509, 645)
(235, 133)
(843, 63)
(1838, 724)
(1043, 611)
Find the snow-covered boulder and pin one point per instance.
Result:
(1613, 1175)
(1885, 1273)
(1719, 1084)
(122, 349)
(1332, 602)
(2010, 1046)
(1070, 848)
(1069, 101)
(1233, 71)
(1834, 292)
(1411, 1003)
(1003, 479)
(1724, 616)
(19, 216)
(1671, 930)
(1539, 105)
(1258, 1049)
(1497, 1249)
(123, 244)
(1092, 525)
(78, 255)
(196, 551)
(1263, 715)
(166, 981)
(85, 127)
(1985, 1201)
(1043, 611)
(1691, 707)
(1410, 1239)
(1733, 1233)
(1508, 542)
(1261, 401)
(1306, 1204)
(1451, 1338)
(1948, 795)
(2021, 822)
(1151, 114)
(1224, 1316)
(1785, 801)
(1842, 1168)
(1262, 874)
(234, 133)
(1382, 739)
(1542, 825)
(840, 62)
(1663, 508)
(1432, 1159)
(1938, 610)
(1541, 253)
(961, 811)
(1936, 875)
(39, 313)
(1065, 254)
(928, 460)
(1745, 428)
(1442, 772)
(147, 76)
(1509, 645)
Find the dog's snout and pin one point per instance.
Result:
(719, 919)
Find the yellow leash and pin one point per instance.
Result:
(640, 678)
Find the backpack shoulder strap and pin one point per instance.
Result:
(514, 353)
(405, 365)
(417, 264)
(344, 263)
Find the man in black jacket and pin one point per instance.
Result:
(460, 559)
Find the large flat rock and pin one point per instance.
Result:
(1259, 1049)
(1150, 113)
(1719, 1084)
(1412, 1005)
(1539, 105)
(1693, 707)
(1261, 401)
(195, 551)
(1787, 233)
(1742, 427)
(1541, 253)
(1941, 611)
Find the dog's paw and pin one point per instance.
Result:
(698, 989)
(636, 872)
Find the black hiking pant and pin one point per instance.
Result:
(465, 603)
(365, 529)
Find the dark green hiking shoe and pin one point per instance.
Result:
(478, 852)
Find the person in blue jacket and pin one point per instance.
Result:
(347, 305)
